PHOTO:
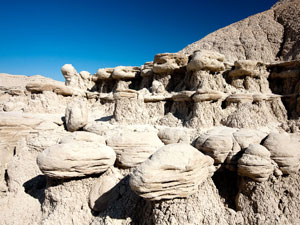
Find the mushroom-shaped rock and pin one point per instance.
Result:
(171, 135)
(166, 63)
(105, 190)
(256, 163)
(217, 144)
(83, 136)
(174, 171)
(125, 72)
(284, 149)
(248, 68)
(132, 147)
(75, 159)
(105, 73)
(206, 60)
(70, 75)
(76, 115)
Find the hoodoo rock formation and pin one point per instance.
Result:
(208, 135)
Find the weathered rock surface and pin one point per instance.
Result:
(256, 163)
(173, 171)
(171, 135)
(132, 147)
(166, 63)
(206, 60)
(75, 159)
(217, 144)
(284, 151)
(125, 72)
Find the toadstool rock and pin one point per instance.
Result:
(166, 63)
(75, 159)
(206, 60)
(174, 171)
(256, 163)
(125, 72)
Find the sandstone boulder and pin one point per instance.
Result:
(104, 73)
(284, 150)
(133, 147)
(256, 163)
(206, 60)
(171, 135)
(75, 159)
(217, 143)
(248, 68)
(76, 115)
(174, 171)
(166, 63)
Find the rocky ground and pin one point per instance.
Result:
(209, 135)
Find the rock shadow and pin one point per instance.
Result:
(35, 187)
(227, 184)
(105, 118)
(120, 203)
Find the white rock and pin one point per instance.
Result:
(171, 135)
(75, 159)
(132, 147)
(125, 72)
(206, 60)
(173, 171)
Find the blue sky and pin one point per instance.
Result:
(40, 36)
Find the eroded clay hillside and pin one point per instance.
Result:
(197, 137)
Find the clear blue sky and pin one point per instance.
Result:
(39, 36)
